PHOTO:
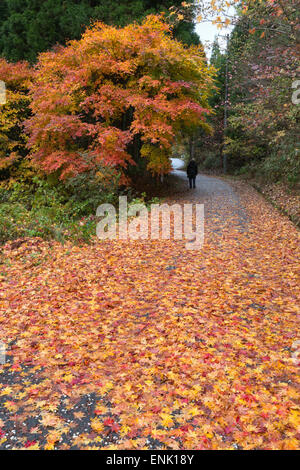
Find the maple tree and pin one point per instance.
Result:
(223, 13)
(263, 119)
(114, 95)
(17, 79)
(262, 57)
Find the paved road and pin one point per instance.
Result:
(146, 344)
(220, 200)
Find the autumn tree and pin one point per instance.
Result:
(263, 66)
(114, 96)
(261, 135)
(17, 79)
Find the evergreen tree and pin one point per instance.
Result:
(28, 27)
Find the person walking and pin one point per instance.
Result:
(192, 171)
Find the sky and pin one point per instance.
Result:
(208, 31)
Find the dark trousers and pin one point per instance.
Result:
(192, 180)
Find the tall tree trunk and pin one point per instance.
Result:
(192, 146)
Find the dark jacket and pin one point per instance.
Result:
(192, 169)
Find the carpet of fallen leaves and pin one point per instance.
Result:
(147, 345)
(286, 200)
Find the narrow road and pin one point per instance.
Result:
(220, 200)
(143, 344)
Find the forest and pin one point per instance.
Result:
(187, 339)
(63, 138)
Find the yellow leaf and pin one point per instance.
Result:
(96, 425)
(167, 420)
(68, 378)
(294, 418)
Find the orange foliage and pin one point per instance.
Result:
(17, 78)
(91, 98)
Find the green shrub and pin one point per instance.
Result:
(211, 162)
(282, 165)
(63, 211)
(13, 220)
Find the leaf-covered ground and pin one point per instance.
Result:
(142, 345)
(286, 200)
